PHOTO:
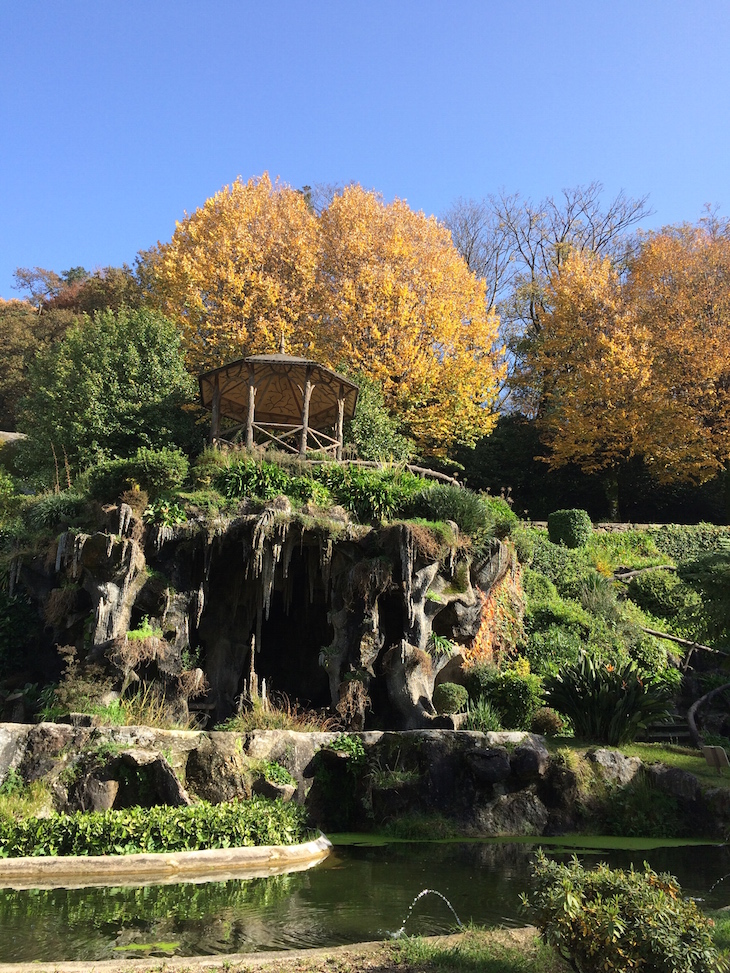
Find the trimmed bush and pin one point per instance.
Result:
(547, 721)
(569, 527)
(156, 829)
(614, 921)
(449, 698)
(445, 501)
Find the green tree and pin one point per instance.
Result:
(373, 430)
(114, 383)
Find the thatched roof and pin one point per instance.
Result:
(279, 381)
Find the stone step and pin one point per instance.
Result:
(677, 731)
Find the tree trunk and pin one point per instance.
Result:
(612, 495)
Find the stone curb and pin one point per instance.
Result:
(214, 864)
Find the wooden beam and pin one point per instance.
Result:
(251, 407)
(215, 423)
(305, 412)
(340, 436)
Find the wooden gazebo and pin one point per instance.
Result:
(280, 399)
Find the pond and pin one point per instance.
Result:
(363, 891)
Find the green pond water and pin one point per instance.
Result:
(363, 891)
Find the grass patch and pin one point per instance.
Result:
(486, 951)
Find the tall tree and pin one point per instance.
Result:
(23, 333)
(639, 367)
(239, 272)
(112, 384)
(396, 302)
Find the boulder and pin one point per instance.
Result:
(613, 767)
(674, 782)
(511, 814)
(217, 770)
(489, 766)
(530, 760)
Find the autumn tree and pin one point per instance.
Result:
(395, 301)
(640, 367)
(239, 273)
(366, 285)
(680, 288)
(520, 246)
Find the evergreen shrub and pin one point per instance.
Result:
(156, 471)
(611, 920)
(569, 527)
(156, 829)
(515, 694)
(445, 501)
(450, 698)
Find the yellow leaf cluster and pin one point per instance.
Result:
(640, 367)
(368, 286)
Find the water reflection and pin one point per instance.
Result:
(358, 893)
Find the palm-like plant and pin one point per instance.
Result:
(607, 703)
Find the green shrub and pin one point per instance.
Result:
(607, 703)
(616, 921)
(156, 829)
(663, 594)
(482, 716)
(569, 527)
(53, 510)
(155, 471)
(505, 520)
(547, 721)
(449, 698)
(515, 695)
(444, 501)
(160, 471)
(567, 569)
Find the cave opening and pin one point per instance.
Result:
(293, 635)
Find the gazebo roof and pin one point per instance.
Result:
(279, 380)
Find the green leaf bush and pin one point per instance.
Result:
(514, 695)
(450, 698)
(156, 471)
(445, 501)
(607, 703)
(156, 829)
(612, 921)
(571, 527)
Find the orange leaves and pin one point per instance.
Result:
(240, 272)
(640, 367)
(372, 286)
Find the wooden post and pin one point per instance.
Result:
(340, 424)
(305, 413)
(215, 424)
(251, 407)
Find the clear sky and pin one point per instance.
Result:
(117, 116)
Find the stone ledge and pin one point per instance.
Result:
(211, 864)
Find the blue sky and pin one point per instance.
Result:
(117, 116)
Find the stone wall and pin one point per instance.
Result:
(484, 784)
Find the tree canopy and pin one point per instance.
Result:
(373, 286)
(112, 384)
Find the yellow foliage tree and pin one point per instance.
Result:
(397, 302)
(639, 368)
(374, 288)
(238, 273)
(680, 288)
